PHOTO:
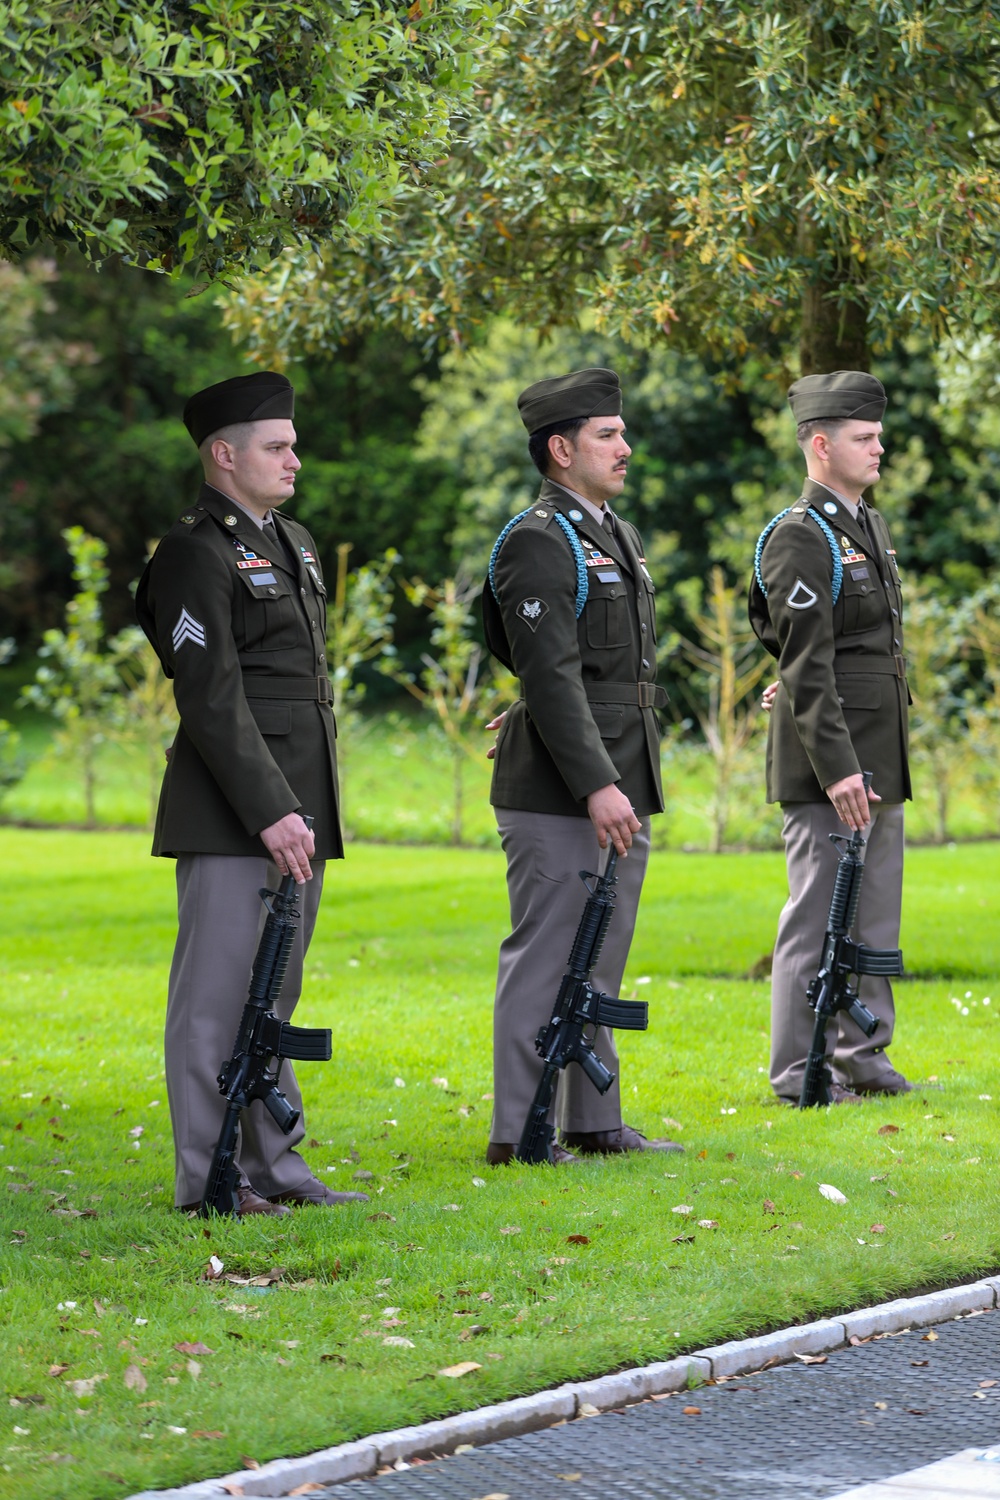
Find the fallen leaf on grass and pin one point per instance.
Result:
(134, 1379)
(681, 1208)
(831, 1194)
(213, 1270)
(949, 1236)
(769, 1207)
(473, 1331)
(56, 1370)
(396, 1342)
(888, 1130)
(372, 1218)
(708, 1223)
(83, 1387)
(577, 1239)
(692, 1411)
(193, 1349)
(878, 1229)
(207, 1433)
(511, 1229)
(811, 1359)
(193, 1369)
(455, 1372)
(682, 1239)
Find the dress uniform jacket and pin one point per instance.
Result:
(842, 704)
(242, 633)
(586, 715)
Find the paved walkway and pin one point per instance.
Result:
(909, 1411)
(869, 1413)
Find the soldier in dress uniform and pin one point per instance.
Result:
(840, 709)
(577, 760)
(234, 603)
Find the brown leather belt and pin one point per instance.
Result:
(643, 694)
(879, 666)
(317, 689)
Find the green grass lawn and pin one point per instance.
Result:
(537, 1276)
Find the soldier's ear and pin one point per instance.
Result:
(560, 450)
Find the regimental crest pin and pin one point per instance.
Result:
(532, 612)
(230, 520)
(802, 596)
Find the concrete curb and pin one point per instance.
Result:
(360, 1459)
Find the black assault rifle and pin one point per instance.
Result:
(578, 1006)
(262, 1042)
(831, 990)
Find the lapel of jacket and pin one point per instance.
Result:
(234, 521)
(591, 532)
(840, 521)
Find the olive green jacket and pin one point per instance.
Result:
(842, 703)
(586, 715)
(242, 633)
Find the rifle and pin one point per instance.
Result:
(578, 1006)
(262, 1043)
(831, 990)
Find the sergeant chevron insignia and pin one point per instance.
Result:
(188, 629)
(801, 596)
(532, 612)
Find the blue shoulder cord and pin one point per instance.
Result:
(574, 542)
(838, 566)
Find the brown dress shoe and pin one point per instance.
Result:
(888, 1081)
(249, 1203)
(613, 1142)
(316, 1194)
(841, 1095)
(498, 1154)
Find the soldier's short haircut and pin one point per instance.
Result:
(237, 434)
(807, 430)
(538, 442)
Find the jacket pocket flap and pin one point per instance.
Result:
(608, 720)
(859, 690)
(271, 718)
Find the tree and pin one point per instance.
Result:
(731, 175)
(450, 685)
(81, 688)
(209, 135)
(727, 666)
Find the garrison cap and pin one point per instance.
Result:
(245, 398)
(584, 393)
(842, 394)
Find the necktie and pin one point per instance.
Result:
(866, 529)
(275, 543)
(608, 523)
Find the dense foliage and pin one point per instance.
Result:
(209, 135)
(733, 176)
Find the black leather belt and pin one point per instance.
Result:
(644, 694)
(317, 689)
(879, 666)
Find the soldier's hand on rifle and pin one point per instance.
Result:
(291, 845)
(613, 816)
(849, 799)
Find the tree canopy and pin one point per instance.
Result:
(210, 135)
(733, 176)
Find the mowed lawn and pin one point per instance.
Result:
(125, 1369)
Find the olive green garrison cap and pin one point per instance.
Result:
(842, 394)
(583, 393)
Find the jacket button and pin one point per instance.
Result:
(895, 640)
(864, 588)
(645, 664)
(612, 593)
(302, 592)
(272, 591)
(896, 613)
(840, 700)
(643, 627)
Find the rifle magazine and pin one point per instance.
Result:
(626, 1015)
(887, 961)
(304, 1043)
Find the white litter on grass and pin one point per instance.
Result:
(834, 1195)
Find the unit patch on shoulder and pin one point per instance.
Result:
(802, 596)
(188, 629)
(532, 612)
